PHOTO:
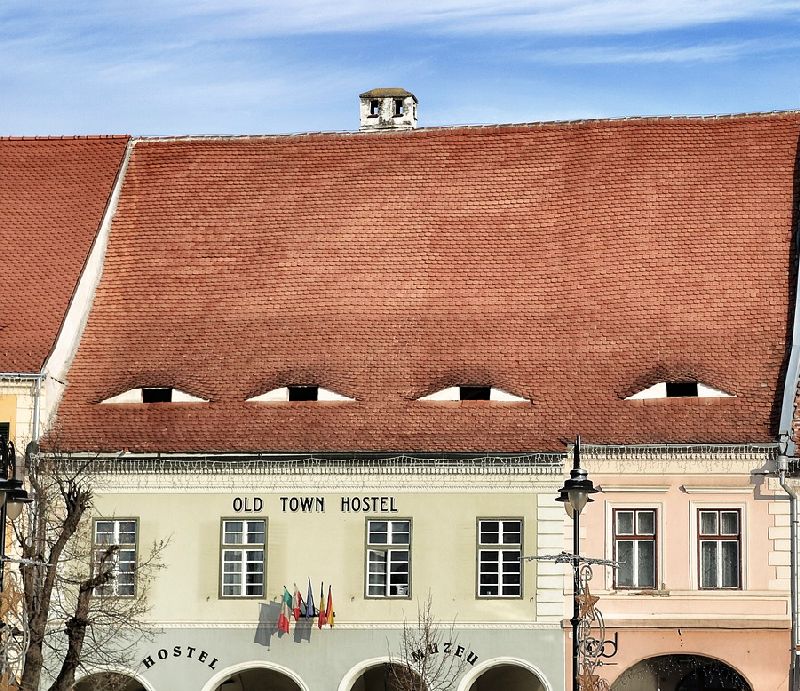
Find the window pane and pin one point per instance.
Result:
(730, 563)
(378, 532)
(401, 532)
(625, 559)
(647, 564)
(624, 522)
(104, 532)
(255, 532)
(376, 573)
(127, 532)
(233, 532)
(490, 532)
(708, 564)
(730, 522)
(708, 523)
(646, 522)
(487, 590)
(512, 532)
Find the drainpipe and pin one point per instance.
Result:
(37, 407)
(794, 522)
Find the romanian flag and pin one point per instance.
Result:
(329, 608)
(323, 616)
(310, 609)
(299, 605)
(286, 609)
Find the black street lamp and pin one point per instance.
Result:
(12, 495)
(575, 495)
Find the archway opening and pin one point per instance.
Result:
(258, 679)
(386, 677)
(681, 673)
(509, 678)
(108, 681)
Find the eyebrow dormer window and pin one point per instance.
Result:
(679, 389)
(475, 393)
(469, 392)
(297, 393)
(157, 395)
(154, 394)
(303, 393)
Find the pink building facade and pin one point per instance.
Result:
(701, 594)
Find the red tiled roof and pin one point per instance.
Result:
(53, 192)
(572, 264)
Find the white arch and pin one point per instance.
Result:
(221, 676)
(119, 669)
(472, 675)
(346, 684)
(355, 672)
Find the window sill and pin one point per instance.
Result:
(691, 401)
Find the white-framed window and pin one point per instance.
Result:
(388, 558)
(635, 548)
(122, 533)
(499, 552)
(242, 560)
(719, 537)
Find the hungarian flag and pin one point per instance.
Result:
(299, 605)
(329, 608)
(286, 609)
(323, 616)
(310, 609)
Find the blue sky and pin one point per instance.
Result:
(264, 66)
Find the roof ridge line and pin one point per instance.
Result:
(56, 137)
(438, 128)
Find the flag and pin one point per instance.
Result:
(329, 608)
(310, 609)
(286, 608)
(299, 605)
(323, 617)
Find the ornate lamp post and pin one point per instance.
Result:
(575, 495)
(12, 495)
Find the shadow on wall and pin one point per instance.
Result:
(508, 678)
(680, 673)
(108, 681)
(268, 626)
(258, 680)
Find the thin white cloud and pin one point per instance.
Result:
(609, 55)
(251, 18)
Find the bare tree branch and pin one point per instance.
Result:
(428, 659)
(72, 627)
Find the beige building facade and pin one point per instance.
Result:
(319, 517)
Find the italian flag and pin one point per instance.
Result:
(299, 605)
(286, 611)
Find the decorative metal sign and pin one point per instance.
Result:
(593, 646)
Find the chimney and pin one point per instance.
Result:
(388, 109)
